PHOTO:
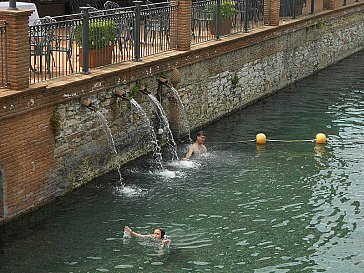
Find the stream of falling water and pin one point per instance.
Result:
(157, 149)
(163, 118)
(110, 139)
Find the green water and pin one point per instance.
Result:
(285, 207)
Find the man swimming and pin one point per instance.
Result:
(198, 147)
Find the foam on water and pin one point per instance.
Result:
(154, 243)
(184, 164)
(168, 174)
(209, 155)
(128, 191)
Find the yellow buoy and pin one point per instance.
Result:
(320, 138)
(261, 139)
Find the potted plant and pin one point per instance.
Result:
(101, 37)
(227, 12)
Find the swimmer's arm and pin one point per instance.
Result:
(136, 234)
(204, 149)
(189, 153)
(166, 242)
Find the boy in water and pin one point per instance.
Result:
(198, 147)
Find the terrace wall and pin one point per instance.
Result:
(50, 144)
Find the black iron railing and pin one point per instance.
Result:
(291, 8)
(158, 28)
(96, 37)
(53, 52)
(4, 78)
(65, 45)
(215, 18)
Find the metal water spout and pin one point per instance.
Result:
(87, 103)
(144, 90)
(119, 94)
(162, 80)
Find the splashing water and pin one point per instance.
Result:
(163, 118)
(168, 174)
(185, 164)
(157, 149)
(128, 191)
(111, 141)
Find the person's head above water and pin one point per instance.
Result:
(200, 137)
(159, 233)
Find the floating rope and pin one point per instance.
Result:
(233, 142)
(261, 139)
(289, 141)
(268, 140)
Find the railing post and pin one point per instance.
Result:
(274, 12)
(6, 57)
(137, 31)
(312, 6)
(184, 24)
(12, 5)
(17, 46)
(294, 9)
(85, 23)
(332, 4)
(4, 68)
(271, 12)
(246, 17)
(218, 15)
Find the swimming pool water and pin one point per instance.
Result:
(282, 207)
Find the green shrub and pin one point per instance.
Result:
(100, 34)
(134, 89)
(235, 80)
(55, 121)
(227, 10)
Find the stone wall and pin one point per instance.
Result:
(218, 86)
(82, 147)
(50, 144)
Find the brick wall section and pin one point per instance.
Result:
(3, 190)
(2, 54)
(334, 4)
(274, 13)
(18, 47)
(271, 12)
(184, 24)
(27, 147)
(39, 163)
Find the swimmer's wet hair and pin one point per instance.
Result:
(162, 232)
(201, 133)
